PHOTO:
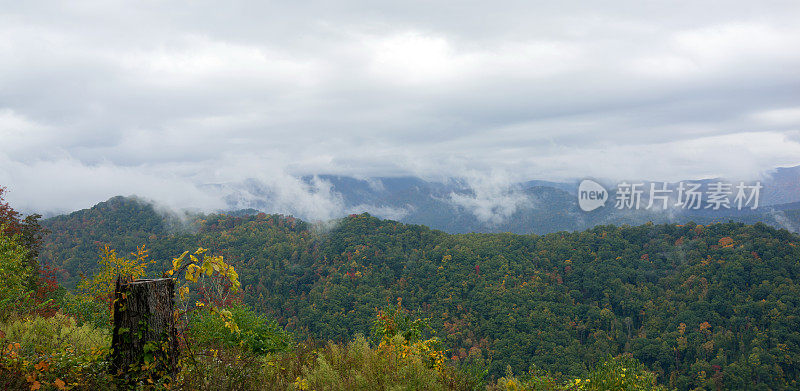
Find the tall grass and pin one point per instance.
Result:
(46, 351)
(39, 351)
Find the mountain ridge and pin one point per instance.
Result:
(717, 294)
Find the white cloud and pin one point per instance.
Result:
(21, 136)
(495, 197)
(784, 116)
(413, 57)
(735, 42)
(63, 185)
(140, 95)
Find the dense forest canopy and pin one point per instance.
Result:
(713, 305)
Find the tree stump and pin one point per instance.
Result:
(144, 345)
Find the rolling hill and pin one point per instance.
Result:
(702, 305)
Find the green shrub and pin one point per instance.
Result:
(534, 380)
(257, 333)
(621, 373)
(357, 366)
(85, 310)
(14, 273)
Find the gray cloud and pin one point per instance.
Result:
(105, 98)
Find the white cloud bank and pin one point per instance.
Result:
(103, 98)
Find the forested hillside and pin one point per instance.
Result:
(712, 306)
(76, 239)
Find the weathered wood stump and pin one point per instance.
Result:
(144, 345)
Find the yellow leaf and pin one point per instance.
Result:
(192, 273)
(184, 291)
(208, 268)
(59, 384)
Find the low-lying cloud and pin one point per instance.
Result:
(492, 198)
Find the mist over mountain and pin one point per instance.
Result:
(482, 203)
(495, 204)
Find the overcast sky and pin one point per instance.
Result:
(99, 98)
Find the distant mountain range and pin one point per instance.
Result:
(490, 205)
(461, 205)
